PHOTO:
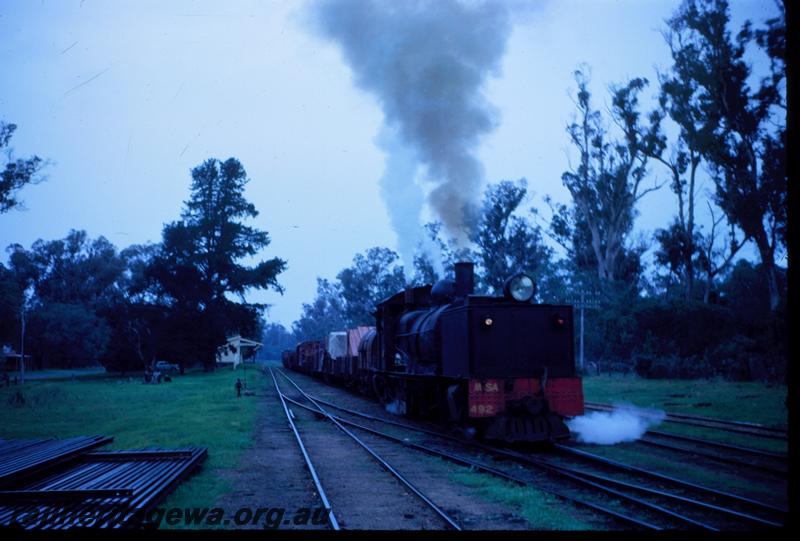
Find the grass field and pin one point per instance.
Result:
(738, 401)
(195, 409)
(742, 401)
(543, 511)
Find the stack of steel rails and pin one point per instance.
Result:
(90, 489)
(19, 458)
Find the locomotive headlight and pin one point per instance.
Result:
(520, 287)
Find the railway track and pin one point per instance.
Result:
(760, 460)
(316, 408)
(736, 427)
(720, 445)
(615, 488)
(743, 457)
(334, 524)
(455, 458)
(734, 508)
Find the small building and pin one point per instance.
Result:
(11, 360)
(238, 350)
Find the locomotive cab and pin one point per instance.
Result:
(517, 362)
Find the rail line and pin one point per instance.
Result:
(720, 445)
(663, 477)
(737, 427)
(776, 462)
(592, 480)
(310, 465)
(466, 461)
(780, 471)
(749, 503)
(451, 523)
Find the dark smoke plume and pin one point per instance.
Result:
(426, 62)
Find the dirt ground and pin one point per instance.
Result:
(362, 494)
(272, 474)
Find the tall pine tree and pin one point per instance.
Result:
(199, 265)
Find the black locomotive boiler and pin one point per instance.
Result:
(499, 366)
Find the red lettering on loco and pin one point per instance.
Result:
(488, 397)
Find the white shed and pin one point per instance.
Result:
(243, 350)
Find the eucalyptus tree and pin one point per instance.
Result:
(682, 157)
(16, 172)
(606, 182)
(73, 282)
(323, 315)
(373, 277)
(507, 242)
(744, 141)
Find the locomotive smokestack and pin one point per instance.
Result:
(465, 278)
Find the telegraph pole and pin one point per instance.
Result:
(22, 345)
(584, 300)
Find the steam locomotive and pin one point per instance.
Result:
(500, 367)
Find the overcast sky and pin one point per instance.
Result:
(125, 97)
